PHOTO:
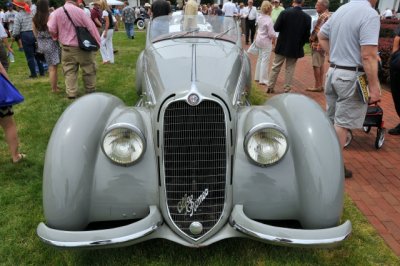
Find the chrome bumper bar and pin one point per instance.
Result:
(329, 237)
(97, 238)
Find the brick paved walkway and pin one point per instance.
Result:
(375, 186)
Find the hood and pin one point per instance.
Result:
(212, 65)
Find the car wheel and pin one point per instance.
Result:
(380, 138)
(349, 138)
(367, 129)
(140, 24)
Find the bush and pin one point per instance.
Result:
(385, 45)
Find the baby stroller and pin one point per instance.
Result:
(373, 118)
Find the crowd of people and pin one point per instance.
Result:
(273, 30)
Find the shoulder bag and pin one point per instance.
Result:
(9, 95)
(85, 40)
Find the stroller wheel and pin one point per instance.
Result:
(380, 138)
(140, 24)
(367, 129)
(349, 138)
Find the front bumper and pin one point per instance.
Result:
(152, 226)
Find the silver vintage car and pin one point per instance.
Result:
(193, 162)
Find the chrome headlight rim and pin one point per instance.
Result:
(257, 129)
(134, 129)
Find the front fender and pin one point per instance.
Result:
(317, 159)
(69, 162)
(307, 184)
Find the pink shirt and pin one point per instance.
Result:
(265, 32)
(61, 28)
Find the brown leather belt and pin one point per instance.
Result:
(359, 68)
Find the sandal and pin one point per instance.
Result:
(21, 156)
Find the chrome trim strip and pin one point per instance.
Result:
(101, 238)
(328, 237)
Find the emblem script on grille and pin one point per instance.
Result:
(187, 203)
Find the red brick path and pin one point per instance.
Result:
(375, 186)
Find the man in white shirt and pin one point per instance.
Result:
(387, 14)
(229, 9)
(250, 14)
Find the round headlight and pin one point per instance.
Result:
(123, 145)
(265, 145)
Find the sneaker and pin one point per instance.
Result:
(395, 130)
(347, 173)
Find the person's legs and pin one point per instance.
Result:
(258, 65)
(290, 66)
(276, 68)
(87, 63)
(265, 54)
(252, 29)
(70, 69)
(11, 136)
(395, 89)
(53, 78)
(29, 50)
(247, 30)
(109, 45)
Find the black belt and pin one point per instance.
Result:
(27, 31)
(359, 68)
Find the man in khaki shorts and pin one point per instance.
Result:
(318, 54)
(358, 24)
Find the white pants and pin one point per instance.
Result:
(261, 73)
(106, 48)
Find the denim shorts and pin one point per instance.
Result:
(345, 107)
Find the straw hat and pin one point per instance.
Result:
(147, 5)
(22, 4)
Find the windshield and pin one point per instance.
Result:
(198, 26)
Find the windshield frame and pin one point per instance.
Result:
(178, 26)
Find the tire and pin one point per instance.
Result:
(367, 129)
(349, 138)
(380, 138)
(140, 24)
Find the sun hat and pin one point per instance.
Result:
(147, 5)
(23, 5)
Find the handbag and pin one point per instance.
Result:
(9, 95)
(85, 40)
(395, 61)
(253, 49)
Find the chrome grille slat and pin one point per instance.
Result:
(194, 139)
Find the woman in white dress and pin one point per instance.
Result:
(106, 48)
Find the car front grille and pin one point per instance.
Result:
(195, 164)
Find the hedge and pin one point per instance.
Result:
(385, 45)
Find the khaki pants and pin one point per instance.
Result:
(73, 58)
(276, 68)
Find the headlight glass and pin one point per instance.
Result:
(266, 146)
(123, 145)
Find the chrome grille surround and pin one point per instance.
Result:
(195, 164)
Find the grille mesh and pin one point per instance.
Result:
(195, 163)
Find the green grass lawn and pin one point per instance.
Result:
(21, 195)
